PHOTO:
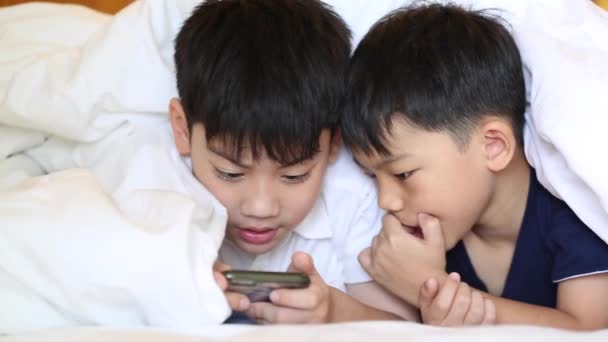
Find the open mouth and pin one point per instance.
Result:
(257, 236)
(414, 230)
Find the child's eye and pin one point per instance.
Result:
(228, 176)
(403, 176)
(296, 178)
(370, 175)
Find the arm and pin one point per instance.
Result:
(373, 295)
(581, 305)
(319, 303)
(581, 302)
(346, 308)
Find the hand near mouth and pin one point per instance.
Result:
(401, 259)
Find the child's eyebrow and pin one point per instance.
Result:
(391, 159)
(228, 157)
(384, 162)
(298, 161)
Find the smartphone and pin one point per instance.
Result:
(257, 285)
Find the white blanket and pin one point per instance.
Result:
(351, 332)
(566, 56)
(81, 89)
(71, 255)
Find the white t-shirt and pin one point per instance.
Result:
(342, 222)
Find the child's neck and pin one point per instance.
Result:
(502, 219)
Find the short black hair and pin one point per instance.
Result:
(439, 67)
(264, 73)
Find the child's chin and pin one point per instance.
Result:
(257, 249)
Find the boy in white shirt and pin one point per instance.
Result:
(260, 85)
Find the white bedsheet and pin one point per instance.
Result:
(355, 332)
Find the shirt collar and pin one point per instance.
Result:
(316, 224)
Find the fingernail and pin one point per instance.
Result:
(274, 296)
(454, 276)
(427, 284)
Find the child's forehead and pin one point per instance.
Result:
(401, 134)
(227, 147)
(372, 159)
(403, 141)
(244, 154)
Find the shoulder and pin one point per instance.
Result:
(553, 214)
(574, 248)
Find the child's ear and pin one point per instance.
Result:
(179, 124)
(498, 142)
(335, 144)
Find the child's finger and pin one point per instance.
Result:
(443, 301)
(431, 230)
(391, 225)
(304, 299)
(220, 280)
(262, 311)
(237, 301)
(267, 312)
(365, 259)
(220, 267)
(460, 306)
(308, 298)
(427, 293)
(490, 312)
(375, 243)
(477, 309)
(302, 262)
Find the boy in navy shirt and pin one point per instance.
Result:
(435, 114)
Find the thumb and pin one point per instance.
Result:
(431, 230)
(302, 262)
(218, 268)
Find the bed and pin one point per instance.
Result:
(77, 84)
(363, 331)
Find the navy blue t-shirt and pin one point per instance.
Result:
(553, 245)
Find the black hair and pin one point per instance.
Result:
(264, 73)
(438, 67)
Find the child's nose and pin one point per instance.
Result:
(261, 202)
(389, 198)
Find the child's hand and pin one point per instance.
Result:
(310, 305)
(402, 262)
(454, 304)
(237, 301)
